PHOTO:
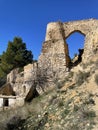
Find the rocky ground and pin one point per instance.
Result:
(71, 105)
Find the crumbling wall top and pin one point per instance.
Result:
(59, 30)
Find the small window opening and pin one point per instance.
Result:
(5, 102)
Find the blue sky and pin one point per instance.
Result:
(28, 19)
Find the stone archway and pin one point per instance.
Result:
(75, 43)
(54, 55)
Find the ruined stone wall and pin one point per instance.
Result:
(23, 81)
(13, 102)
(30, 72)
(57, 30)
(83, 26)
(11, 77)
(30, 77)
(54, 57)
(52, 60)
(89, 29)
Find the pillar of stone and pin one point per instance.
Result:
(54, 58)
(52, 61)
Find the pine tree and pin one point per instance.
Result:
(16, 56)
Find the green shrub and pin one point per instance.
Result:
(81, 77)
(66, 111)
(76, 108)
(73, 127)
(59, 84)
(52, 98)
(71, 74)
(89, 114)
(72, 87)
(90, 95)
(61, 103)
(89, 101)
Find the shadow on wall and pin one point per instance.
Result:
(32, 94)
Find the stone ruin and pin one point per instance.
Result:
(54, 59)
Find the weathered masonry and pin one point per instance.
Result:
(52, 63)
(10, 101)
(6, 101)
(54, 58)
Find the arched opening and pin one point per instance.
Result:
(76, 47)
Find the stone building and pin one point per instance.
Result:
(19, 87)
(8, 98)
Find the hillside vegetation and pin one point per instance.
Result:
(71, 105)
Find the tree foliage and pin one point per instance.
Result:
(16, 55)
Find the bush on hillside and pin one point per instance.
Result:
(81, 77)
